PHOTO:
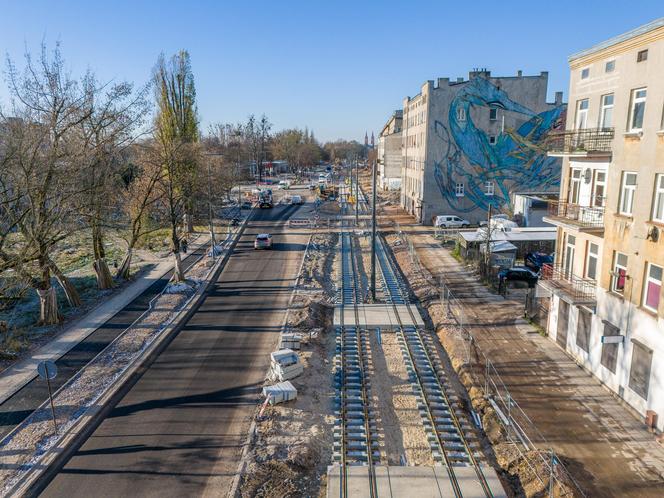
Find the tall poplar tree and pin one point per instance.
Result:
(176, 138)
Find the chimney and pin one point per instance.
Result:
(460, 79)
(519, 73)
(559, 98)
(443, 82)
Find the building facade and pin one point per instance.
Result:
(389, 153)
(468, 144)
(606, 307)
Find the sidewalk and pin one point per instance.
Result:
(607, 450)
(15, 377)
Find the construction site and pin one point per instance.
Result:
(373, 407)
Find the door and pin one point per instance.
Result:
(568, 263)
(563, 324)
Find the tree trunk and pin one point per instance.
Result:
(104, 278)
(178, 271)
(124, 270)
(48, 307)
(70, 291)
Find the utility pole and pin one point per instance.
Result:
(357, 192)
(373, 232)
(487, 257)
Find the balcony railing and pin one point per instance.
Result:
(583, 142)
(589, 217)
(558, 278)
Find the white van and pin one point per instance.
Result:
(451, 221)
(284, 184)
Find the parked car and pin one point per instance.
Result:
(263, 241)
(535, 260)
(296, 199)
(519, 274)
(246, 205)
(451, 221)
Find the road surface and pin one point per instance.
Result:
(179, 429)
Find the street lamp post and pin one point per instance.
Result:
(212, 241)
(373, 232)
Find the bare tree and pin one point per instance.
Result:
(257, 134)
(116, 113)
(37, 192)
(137, 200)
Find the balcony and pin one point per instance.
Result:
(576, 217)
(574, 289)
(588, 142)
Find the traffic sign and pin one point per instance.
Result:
(47, 370)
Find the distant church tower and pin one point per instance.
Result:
(366, 139)
(372, 140)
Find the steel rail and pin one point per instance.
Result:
(385, 261)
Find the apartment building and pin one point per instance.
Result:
(469, 144)
(606, 307)
(389, 153)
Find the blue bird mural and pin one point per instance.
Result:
(516, 160)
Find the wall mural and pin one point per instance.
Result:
(517, 161)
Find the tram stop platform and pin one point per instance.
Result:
(407, 482)
(383, 316)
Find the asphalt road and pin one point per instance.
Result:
(179, 429)
(17, 407)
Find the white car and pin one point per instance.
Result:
(296, 199)
(263, 241)
(451, 221)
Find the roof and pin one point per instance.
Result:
(514, 235)
(657, 23)
(499, 246)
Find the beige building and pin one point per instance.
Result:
(389, 153)
(606, 308)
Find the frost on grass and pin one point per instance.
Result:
(21, 449)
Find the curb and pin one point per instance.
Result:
(38, 478)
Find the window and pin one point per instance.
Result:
(599, 187)
(591, 261)
(493, 114)
(637, 109)
(610, 350)
(581, 114)
(619, 274)
(585, 73)
(658, 201)
(642, 56)
(461, 114)
(489, 188)
(583, 329)
(639, 372)
(492, 139)
(459, 190)
(627, 193)
(652, 287)
(606, 113)
(574, 186)
(609, 66)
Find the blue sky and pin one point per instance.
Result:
(339, 67)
